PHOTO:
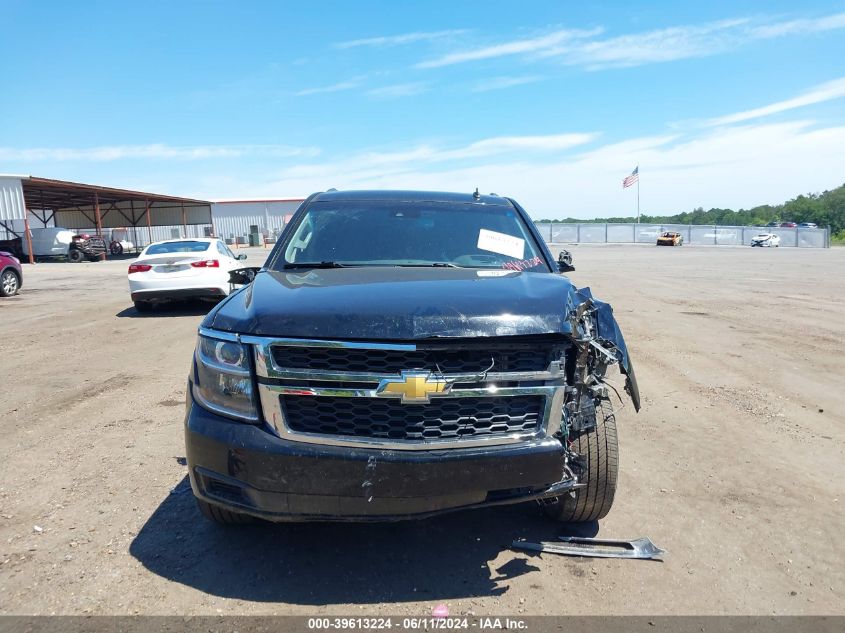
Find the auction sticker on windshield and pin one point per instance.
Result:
(501, 243)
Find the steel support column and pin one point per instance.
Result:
(149, 225)
(28, 236)
(99, 222)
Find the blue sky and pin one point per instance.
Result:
(726, 104)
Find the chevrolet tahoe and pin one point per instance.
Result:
(403, 354)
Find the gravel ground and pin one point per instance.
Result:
(735, 464)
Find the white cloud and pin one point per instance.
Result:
(394, 91)
(583, 48)
(739, 166)
(367, 166)
(800, 27)
(544, 143)
(405, 38)
(515, 47)
(151, 152)
(824, 92)
(348, 84)
(502, 83)
(661, 45)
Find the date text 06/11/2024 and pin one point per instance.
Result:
(417, 623)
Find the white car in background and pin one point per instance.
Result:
(181, 269)
(765, 239)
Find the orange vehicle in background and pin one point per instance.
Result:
(670, 239)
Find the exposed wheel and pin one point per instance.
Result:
(116, 248)
(221, 515)
(143, 306)
(599, 448)
(75, 256)
(9, 283)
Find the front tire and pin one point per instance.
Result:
(10, 284)
(599, 448)
(75, 256)
(221, 515)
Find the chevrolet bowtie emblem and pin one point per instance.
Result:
(415, 387)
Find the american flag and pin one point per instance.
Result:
(634, 177)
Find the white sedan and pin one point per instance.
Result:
(181, 269)
(765, 239)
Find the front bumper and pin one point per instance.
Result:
(247, 468)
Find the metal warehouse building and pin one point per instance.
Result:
(235, 220)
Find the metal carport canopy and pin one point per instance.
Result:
(75, 206)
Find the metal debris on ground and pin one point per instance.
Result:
(595, 548)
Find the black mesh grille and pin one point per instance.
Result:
(387, 418)
(464, 360)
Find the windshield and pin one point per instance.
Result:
(187, 246)
(389, 233)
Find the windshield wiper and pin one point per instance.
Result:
(431, 265)
(313, 265)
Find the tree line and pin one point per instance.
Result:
(824, 209)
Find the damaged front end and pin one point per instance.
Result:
(598, 344)
(588, 425)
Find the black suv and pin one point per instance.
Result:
(403, 354)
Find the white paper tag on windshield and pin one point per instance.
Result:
(501, 243)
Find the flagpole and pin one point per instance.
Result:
(638, 195)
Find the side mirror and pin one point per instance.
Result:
(242, 256)
(242, 276)
(564, 262)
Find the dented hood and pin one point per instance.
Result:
(392, 303)
(407, 304)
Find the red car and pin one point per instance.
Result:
(11, 275)
(788, 225)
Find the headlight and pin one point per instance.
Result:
(223, 382)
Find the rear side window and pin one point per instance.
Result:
(185, 246)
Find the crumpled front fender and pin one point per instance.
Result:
(609, 331)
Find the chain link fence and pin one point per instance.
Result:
(698, 234)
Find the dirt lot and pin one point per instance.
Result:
(735, 465)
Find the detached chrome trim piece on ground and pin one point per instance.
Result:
(641, 548)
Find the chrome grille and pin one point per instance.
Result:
(332, 392)
(442, 418)
(386, 361)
